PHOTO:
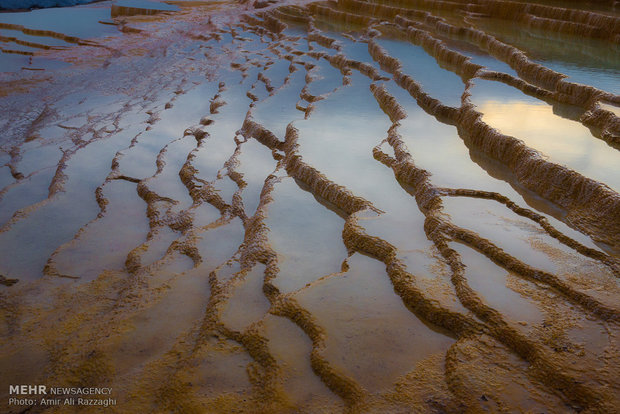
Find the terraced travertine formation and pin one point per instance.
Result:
(358, 206)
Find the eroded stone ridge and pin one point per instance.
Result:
(307, 208)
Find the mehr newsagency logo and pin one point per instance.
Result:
(30, 395)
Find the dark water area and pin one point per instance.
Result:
(39, 4)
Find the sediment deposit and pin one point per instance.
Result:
(339, 206)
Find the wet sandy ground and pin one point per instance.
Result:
(387, 207)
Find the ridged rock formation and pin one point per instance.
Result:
(339, 206)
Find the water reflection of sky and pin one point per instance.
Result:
(12, 62)
(601, 78)
(440, 83)
(82, 22)
(589, 61)
(564, 141)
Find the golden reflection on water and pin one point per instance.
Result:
(561, 140)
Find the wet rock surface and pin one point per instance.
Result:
(351, 206)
